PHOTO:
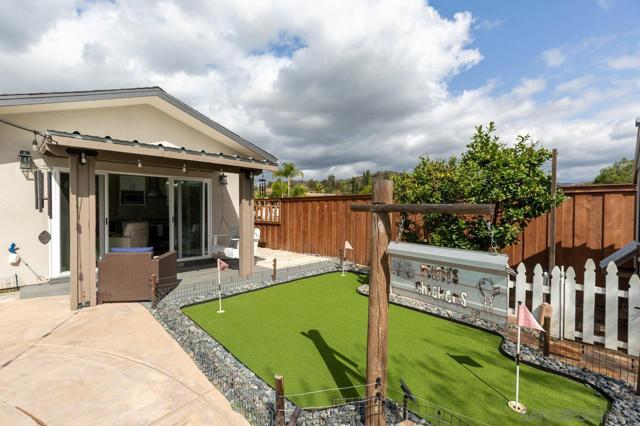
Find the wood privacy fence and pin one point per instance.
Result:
(592, 223)
(576, 313)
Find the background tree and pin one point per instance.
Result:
(288, 171)
(298, 190)
(315, 186)
(619, 172)
(489, 171)
(279, 189)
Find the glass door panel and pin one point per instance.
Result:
(189, 218)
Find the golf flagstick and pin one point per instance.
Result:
(220, 310)
(347, 246)
(524, 318)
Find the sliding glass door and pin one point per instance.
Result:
(190, 218)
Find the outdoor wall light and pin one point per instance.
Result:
(139, 164)
(83, 158)
(223, 179)
(34, 143)
(184, 168)
(25, 160)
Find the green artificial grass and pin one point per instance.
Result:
(314, 331)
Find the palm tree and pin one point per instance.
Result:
(316, 186)
(288, 171)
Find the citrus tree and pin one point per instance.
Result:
(511, 177)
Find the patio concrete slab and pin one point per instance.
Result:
(112, 364)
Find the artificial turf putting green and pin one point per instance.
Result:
(313, 331)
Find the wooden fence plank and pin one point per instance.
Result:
(634, 316)
(555, 301)
(589, 301)
(536, 299)
(570, 304)
(611, 309)
(521, 283)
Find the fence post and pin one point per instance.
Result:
(279, 400)
(154, 290)
(521, 285)
(611, 308)
(274, 274)
(547, 335)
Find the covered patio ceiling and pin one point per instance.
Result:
(123, 151)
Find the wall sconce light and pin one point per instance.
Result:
(223, 179)
(139, 164)
(184, 168)
(34, 143)
(83, 158)
(25, 160)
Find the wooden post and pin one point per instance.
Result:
(547, 336)
(279, 400)
(82, 225)
(274, 274)
(379, 282)
(245, 244)
(154, 290)
(552, 214)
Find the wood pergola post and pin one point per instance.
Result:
(245, 244)
(82, 226)
(379, 281)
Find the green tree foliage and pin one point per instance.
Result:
(619, 172)
(299, 190)
(488, 172)
(288, 171)
(279, 189)
(315, 186)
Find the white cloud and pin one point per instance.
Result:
(625, 62)
(489, 24)
(554, 57)
(333, 85)
(575, 84)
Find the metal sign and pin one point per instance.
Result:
(465, 281)
(44, 237)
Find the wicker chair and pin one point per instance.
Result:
(127, 277)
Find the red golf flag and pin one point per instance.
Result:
(526, 319)
(222, 265)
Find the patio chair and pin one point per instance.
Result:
(127, 276)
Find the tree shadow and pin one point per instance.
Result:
(340, 366)
(466, 362)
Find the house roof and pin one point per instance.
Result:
(78, 140)
(25, 99)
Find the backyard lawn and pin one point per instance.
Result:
(313, 331)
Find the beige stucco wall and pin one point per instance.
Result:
(21, 223)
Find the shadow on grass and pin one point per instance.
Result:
(340, 366)
(466, 362)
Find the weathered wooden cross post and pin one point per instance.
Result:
(381, 209)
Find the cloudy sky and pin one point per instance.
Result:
(344, 86)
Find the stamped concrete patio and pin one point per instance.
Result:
(112, 364)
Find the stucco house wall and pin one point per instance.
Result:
(21, 223)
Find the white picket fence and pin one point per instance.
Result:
(563, 289)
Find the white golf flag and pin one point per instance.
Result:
(347, 246)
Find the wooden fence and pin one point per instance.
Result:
(593, 222)
(576, 313)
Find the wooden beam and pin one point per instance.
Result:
(379, 281)
(552, 214)
(245, 244)
(425, 208)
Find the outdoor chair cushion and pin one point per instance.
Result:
(132, 249)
